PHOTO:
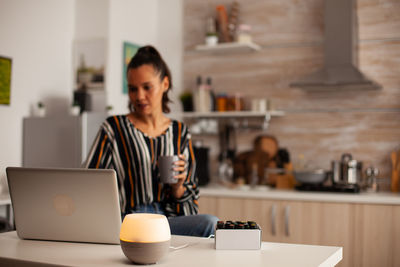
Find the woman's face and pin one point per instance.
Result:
(146, 89)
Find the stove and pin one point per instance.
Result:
(350, 188)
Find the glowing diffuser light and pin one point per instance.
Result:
(145, 237)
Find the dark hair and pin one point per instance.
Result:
(148, 55)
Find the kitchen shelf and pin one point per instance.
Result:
(233, 114)
(235, 119)
(229, 47)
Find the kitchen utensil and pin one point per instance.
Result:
(284, 181)
(398, 162)
(344, 165)
(202, 164)
(350, 170)
(336, 175)
(244, 166)
(395, 172)
(311, 177)
(352, 175)
(371, 182)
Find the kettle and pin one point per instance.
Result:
(347, 171)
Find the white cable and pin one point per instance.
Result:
(179, 247)
(187, 244)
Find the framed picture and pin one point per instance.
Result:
(5, 80)
(130, 50)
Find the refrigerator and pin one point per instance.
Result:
(59, 141)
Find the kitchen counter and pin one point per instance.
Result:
(267, 193)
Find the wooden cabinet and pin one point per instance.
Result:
(301, 222)
(377, 235)
(369, 234)
(396, 235)
(321, 223)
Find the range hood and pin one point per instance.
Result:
(340, 70)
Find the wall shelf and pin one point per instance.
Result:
(229, 47)
(235, 119)
(232, 114)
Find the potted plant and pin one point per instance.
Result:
(187, 101)
(109, 109)
(85, 74)
(211, 34)
(41, 109)
(75, 109)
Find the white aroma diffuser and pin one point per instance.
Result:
(145, 237)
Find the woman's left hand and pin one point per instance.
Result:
(178, 189)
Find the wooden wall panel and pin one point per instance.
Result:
(273, 22)
(378, 19)
(324, 136)
(269, 72)
(321, 125)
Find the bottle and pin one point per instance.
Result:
(205, 98)
(213, 105)
(254, 175)
(196, 95)
(202, 96)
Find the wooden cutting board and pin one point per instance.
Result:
(395, 158)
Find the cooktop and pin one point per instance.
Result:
(351, 188)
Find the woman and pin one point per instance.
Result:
(131, 144)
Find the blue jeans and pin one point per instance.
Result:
(202, 225)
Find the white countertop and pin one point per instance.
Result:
(267, 193)
(198, 252)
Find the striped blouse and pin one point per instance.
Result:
(119, 145)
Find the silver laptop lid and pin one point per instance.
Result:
(79, 205)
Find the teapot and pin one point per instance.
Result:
(347, 170)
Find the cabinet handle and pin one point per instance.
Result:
(287, 214)
(273, 215)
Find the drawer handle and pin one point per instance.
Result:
(287, 214)
(273, 215)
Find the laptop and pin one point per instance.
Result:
(77, 205)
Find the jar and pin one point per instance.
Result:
(222, 101)
(235, 103)
(243, 34)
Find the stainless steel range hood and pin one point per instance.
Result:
(340, 71)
